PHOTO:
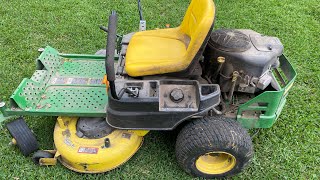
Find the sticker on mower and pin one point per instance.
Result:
(88, 150)
(76, 81)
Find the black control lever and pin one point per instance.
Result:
(105, 29)
(110, 50)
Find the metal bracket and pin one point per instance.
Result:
(3, 118)
(3, 115)
(49, 161)
(143, 25)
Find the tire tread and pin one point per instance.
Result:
(26, 141)
(215, 132)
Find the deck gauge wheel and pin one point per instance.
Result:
(41, 154)
(23, 136)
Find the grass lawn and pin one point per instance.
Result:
(288, 150)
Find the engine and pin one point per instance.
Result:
(241, 60)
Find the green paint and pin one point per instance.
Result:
(2, 118)
(268, 103)
(69, 85)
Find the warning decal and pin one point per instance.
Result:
(88, 150)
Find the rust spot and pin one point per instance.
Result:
(68, 142)
(126, 135)
(66, 133)
(66, 123)
(84, 165)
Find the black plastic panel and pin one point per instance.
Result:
(143, 113)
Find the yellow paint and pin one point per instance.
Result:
(288, 88)
(60, 122)
(172, 49)
(13, 141)
(139, 132)
(57, 154)
(123, 145)
(216, 162)
(48, 161)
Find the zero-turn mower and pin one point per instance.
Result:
(211, 86)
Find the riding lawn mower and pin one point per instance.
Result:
(209, 86)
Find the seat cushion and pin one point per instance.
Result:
(156, 52)
(171, 50)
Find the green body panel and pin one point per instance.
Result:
(263, 110)
(71, 85)
(62, 85)
(3, 118)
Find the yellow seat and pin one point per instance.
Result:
(173, 49)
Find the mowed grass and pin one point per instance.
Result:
(288, 150)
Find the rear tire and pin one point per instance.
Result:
(25, 139)
(213, 147)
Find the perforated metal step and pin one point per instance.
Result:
(63, 84)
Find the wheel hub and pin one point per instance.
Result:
(215, 162)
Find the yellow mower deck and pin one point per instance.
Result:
(93, 155)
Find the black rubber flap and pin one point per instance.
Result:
(229, 40)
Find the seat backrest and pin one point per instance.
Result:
(197, 24)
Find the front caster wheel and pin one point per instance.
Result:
(23, 136)
(213, 147)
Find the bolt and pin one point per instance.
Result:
(235, 75)
(2, 104)
(107, 143)
(40, 50)
(176, 95)
(13, 142)
(79, 134)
